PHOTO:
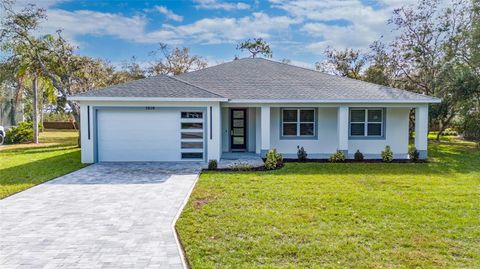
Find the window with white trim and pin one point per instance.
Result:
(366, 122)
(298, 122)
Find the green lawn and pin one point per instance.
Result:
(26, 165)
(323, 215)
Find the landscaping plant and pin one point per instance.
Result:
(22, 133)
(414, 154)
(273, 160)
(301, 154)
(387, 154)
(337, 157)
(241, 166)
(212, 165)
(358, 156)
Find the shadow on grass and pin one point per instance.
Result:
(33, 173)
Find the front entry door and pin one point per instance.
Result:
(238, 130)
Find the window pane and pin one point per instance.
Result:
(238, 123)
(374, 129)
(192, 155)
(238, 140)
(238, 131)
(289, 115)
(192, 125)
(192, 135)
(374, 115)
(306, 129)
(357, 115)
(307, 115)
(238, 114)
(357, 129)
(192, 145)
(289, 129)
(192, 115)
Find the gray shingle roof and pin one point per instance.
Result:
(269, 80)
(256, 80)
(160, 86)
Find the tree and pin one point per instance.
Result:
(50, 57)
(256, 46)
(175, 62)
(345, 63)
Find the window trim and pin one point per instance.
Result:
(366, 122)
(298, 122)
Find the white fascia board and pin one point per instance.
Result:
(339, 101)
(145, 99)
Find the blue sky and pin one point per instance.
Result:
(297, 30)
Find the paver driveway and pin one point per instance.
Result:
(105, 215)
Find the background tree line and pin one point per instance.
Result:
(435, 51)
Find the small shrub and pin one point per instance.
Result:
(337, 157)
(301, 154)
(414, 154)
(22, 133)
(387, 154)
(358, 156)
(273, 160)
(449, 132)
(241, 166)
(212, 165)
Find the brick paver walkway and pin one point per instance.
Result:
(103, 216)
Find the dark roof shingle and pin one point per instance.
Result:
(155, 87)
(269, 80)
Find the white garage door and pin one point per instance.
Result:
(147, 135)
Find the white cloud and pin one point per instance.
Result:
(83, 22)
(364, 24)
(224, 30)
(133, 28)
(168, 13)
(215, 4)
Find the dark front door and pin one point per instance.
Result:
(238, 129)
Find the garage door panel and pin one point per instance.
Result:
(138, 135)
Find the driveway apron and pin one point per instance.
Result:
(112, 215)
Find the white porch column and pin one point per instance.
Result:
(214, 132)
(421, 130)
(265, 129)
(342, 129)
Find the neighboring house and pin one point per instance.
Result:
(248, 105)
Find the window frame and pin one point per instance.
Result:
(298, 123)
(365, 123)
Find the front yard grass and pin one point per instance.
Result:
(324, 215)
(25, 165)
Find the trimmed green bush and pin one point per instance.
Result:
(358, 156)
(387, 154)
(301, 154)
(212, 165)
(22, 133)
(414, 154)
(273, 160)
(337, 157)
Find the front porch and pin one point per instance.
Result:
(247, 132)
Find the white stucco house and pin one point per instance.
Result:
(248, 105)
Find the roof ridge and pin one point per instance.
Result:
(193, 85)
(347, 78)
